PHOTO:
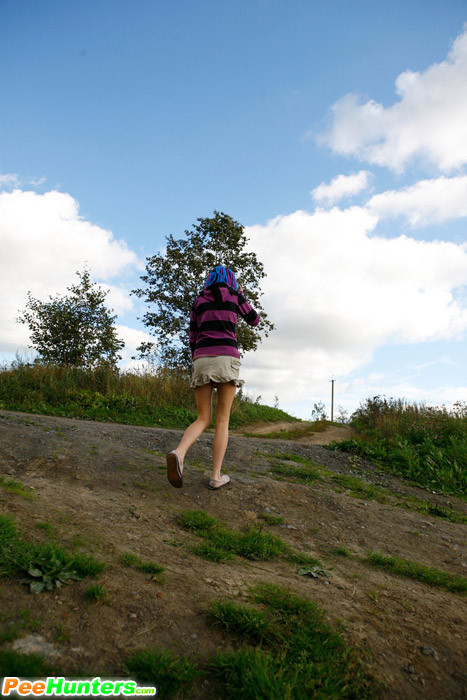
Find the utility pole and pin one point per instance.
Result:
(332, 399)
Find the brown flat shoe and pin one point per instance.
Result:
(175, 469)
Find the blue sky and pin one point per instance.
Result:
(121, 123)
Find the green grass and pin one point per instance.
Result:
(304, 475)
(96, 594)
(271, 519)
(19, 556)
(149, 567)
(12, 663)
(341, 551)
(161, 398)
(163, 669)
(419, 572)
(357, 488)
(426, 445)
(17, 487)
(250, 544)
(221, 543)
(287, 651)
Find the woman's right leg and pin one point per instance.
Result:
(203, 396)
(225, 397)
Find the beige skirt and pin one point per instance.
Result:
(218, 370)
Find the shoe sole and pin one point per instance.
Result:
(173, 471)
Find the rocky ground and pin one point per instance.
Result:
(103, 487)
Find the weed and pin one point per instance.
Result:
(96, 594)
(12, 663)
(426, 445)
(212, 552)
(167, 672)
(15, 487)
(149, 567)
(61, 634)
(48, 564)
(300, 655)
(270, 519)
(341, 551)
(31, 621)
(419, 572)
(158, 397)
(304, 475)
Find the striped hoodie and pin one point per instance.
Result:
(213, 320)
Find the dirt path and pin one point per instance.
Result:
(332, 433)
(103, 486)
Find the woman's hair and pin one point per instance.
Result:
(221, 274)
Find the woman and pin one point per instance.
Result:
(216, 363)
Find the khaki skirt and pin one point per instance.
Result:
(218, 370)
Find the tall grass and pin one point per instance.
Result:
(425, 444)
(159, 397)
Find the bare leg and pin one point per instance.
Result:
(225, 397)
(203, 395)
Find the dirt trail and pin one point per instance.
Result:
(104, 486)
(332, 433)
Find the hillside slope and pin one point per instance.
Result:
(103, 486)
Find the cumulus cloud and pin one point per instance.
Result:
(429, 120)
(341, 186)
(44, 241)
(337, 292)
(427, 202)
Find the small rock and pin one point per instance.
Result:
(429, 651)
(134, 592)
(194, 636)
(35, 643)
(133, 615)
(411, 669)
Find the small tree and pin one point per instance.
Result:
(175, 277)
(319, 411)
(73, 330)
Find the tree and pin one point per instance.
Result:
(174, 278)
(73, 330)
(319, 411)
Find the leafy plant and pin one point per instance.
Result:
(49, 573)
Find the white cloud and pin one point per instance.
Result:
(44, 241)
(341, 186)
(336, 293)
(426, 202)
(429, 120)
(9, 180)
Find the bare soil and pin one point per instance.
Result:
(103, 486)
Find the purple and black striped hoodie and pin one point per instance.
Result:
(213, 320)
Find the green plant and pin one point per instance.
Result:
(299, 656)
(49, 572)
(425, 444)
(341, 551)
(419, 572)
(149, 567)
(270, 519)
(96, 594)
(169, 673)
(15, 487)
